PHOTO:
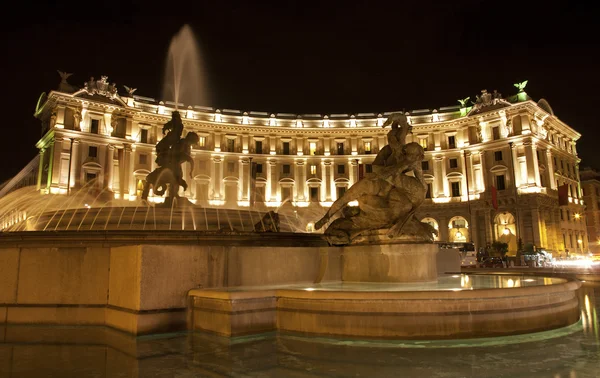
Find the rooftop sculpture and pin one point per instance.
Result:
(171, 152)
(387, 198)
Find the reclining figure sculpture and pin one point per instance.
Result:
(387, 198)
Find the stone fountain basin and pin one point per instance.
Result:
(389, 311)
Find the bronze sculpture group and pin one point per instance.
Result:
(387, 198)
(171, 152)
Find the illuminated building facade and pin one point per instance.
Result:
(514, 144)
(590, 188)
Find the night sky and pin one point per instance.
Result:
(303, 57)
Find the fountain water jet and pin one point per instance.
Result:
(184, 80)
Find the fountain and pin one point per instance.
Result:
(89, 259)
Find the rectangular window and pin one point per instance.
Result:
(367, 148)
(340, 148)
(313, 169)
(500, 184)
(562, 216)
(144, 136)
(314, 194)
(143, 158)
(451, 142)
(340, 191)
(496, 133)
(312, 146)
(425, 165)
(453, 163)
(259, 168)
(286, 148)
(568, 215)
(564, 240)
(429, 190)
(202, 141)
(341, 169)
(286, 169)
(231, 145)
(423, 143)
(90, 177)
(95, 126)
(369, 168)
(498, 156)
(258, 146)
(456, 189)
(93, 151)
(554, 158)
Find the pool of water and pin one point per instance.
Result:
(571, 352)
(454, 282)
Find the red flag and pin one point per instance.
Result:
(563, 195)
(494, 198)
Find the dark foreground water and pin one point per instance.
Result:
(572, 352)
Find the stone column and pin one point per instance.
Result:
(245, 178)
(444, 179)
(489, 235)
(327, 167)
(550, 168)
(438, 185)
(516, 169)
(536, 225)
(75, 163)
(300, 181)
(38, 185)
(110, 164)
(56, 157)
(127, 171)
(533, 172)
(216, 174)
(352, 176)
(273, 180)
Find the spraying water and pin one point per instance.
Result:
(184, 80)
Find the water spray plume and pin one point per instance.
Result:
(184, 79)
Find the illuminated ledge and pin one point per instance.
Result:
(385, 314)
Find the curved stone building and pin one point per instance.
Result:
(493, 168)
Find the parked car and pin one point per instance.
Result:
(492, 262)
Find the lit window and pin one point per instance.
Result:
(500, 182)
(456, 189)
(423, 143)
(313, 148)
(93, 151)
(144, 135)
(202, 141)
(313, 169)
(367, 147)
(231, 145)
(451, 142)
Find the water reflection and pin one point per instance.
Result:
(98, 352)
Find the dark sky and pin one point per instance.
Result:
(304, 57)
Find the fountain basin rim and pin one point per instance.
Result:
(173, 237)
(487, 293)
